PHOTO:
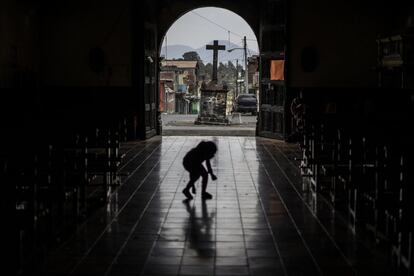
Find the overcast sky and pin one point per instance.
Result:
(200, 26)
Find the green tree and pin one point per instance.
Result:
(231, 67)
(206, 71)
(192, 55)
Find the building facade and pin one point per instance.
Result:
(183, 74)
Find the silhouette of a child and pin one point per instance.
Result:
(192, 162)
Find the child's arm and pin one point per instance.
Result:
(210, 171)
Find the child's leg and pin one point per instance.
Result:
(204, 182)
(189, 184)
(192, 181)
(194, 175)
(186, 190)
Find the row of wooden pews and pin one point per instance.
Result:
(363, 166)
(60, 176)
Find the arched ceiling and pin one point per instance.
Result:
(168, 11)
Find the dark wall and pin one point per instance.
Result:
(49, 76)
(49, 42)
(71, 29)
(19, 39)
(343, 35)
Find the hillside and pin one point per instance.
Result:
(177, 51)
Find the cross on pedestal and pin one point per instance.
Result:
(215, 47)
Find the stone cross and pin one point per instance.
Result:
(215, 47)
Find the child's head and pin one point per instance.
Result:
(207, 148)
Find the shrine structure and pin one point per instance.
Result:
(213, 100)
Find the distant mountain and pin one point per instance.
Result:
(177, 51)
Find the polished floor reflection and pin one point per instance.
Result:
(258, 222)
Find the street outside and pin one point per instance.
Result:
(180, 124)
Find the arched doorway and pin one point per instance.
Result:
(268, 23)
(186, 66)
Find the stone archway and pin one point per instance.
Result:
(267, 19)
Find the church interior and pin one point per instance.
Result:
(91, 187)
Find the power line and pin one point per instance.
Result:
(220, 26)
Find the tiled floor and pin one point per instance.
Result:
(256, 224)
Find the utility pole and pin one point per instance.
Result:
(246, 73)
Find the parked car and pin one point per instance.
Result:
(245, 103)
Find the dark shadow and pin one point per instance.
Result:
(199, 230)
